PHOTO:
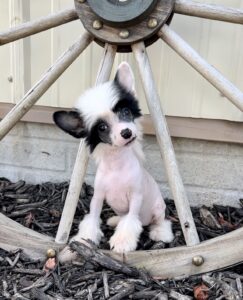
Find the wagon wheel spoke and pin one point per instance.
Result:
(166, 147)
(30, 98)
(82, 158)
(209, 11)
(204, 68)
(33, 27)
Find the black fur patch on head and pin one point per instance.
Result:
(99, 133)
(126, 100)
(70, 122)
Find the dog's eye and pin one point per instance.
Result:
(102, 127)
(125, 113)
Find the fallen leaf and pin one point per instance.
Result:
(225, 223)
(201, 292)
(173, 219)
(28, 219)
(208, 218)
(50, 264)
(55, 213)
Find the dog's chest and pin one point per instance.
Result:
(118, 192)
(119, 185)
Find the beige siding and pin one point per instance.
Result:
(11, 55)
(183, 92)
(5, 57)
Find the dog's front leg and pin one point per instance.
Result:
(129, 228)
(89, 227)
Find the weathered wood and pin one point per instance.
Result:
(106, 285)
(209, 11)
(13, 236)
(63, 62)
(95, 255)
(165, 144)
(33, 27)
(177, 296)
(82, 159)
(126, 290)
(138, 32)
(106, 64)
(218, 253)
(40, 295)
(5, 221)
(204, 68)
(74, 189)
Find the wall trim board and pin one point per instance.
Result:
(194, 128)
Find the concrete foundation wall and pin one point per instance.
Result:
(212, 172)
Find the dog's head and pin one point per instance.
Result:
(106, 114)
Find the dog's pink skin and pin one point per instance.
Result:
(132, 193)
(127, 187)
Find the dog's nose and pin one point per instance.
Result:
(126, 133)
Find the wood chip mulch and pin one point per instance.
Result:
(39, 207)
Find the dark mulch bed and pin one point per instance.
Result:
(39, 207)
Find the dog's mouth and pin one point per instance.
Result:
(129, 142)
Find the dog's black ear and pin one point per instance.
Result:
(70, 122)
(125, 78)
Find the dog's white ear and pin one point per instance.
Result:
(70, 122)
(125, 77)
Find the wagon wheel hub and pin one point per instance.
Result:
(124, 22)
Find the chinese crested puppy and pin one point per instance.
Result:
(108, 117)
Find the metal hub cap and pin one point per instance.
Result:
(122, 12)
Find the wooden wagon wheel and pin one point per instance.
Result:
(126, 25)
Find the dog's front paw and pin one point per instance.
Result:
(126, 235)
(162, 232)
(89, 229)
(67, 255)
(123, 242)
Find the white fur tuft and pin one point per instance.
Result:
(67, 255)
(96, 102)
(89, 229)
(161, 232)
(126, 235)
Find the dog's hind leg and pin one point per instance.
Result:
(161, 229)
